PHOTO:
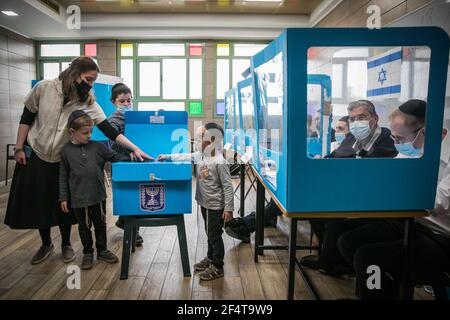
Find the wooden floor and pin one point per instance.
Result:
(155, 268)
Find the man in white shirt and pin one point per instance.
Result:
(381, 243)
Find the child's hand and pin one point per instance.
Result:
(227, 215)
(64, 206)
(162, 157)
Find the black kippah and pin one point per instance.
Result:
(75, 115)
(415, 107)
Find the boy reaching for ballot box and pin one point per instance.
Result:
(82, 186)
(214, 194)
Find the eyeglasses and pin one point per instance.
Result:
(360, 117)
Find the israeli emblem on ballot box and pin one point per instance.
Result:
(152, 197)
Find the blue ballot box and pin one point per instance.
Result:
(141, 188)
(387, 67)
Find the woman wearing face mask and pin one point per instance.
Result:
(33, 199)
(121, 97)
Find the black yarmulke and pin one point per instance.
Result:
(414, 107)
(75, 115)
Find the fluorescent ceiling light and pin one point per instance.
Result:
(10, 13)
(264, 0)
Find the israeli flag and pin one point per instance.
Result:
(384, 75)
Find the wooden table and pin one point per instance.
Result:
(406, 290)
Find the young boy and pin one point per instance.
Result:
(214, 194)
(121, 98)
(82, 186)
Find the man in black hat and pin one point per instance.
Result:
(381, 243)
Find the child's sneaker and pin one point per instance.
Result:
(211, 273)
(202, 265)
(107, 256)
(88, 261)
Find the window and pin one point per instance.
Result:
(195, 78)
(149, 79)
(165, 76)
(56, 56)
(174, 79)
(161, 49)
(233, 59)
(60, 50)
(386, 76)
(223, 77)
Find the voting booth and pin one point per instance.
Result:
(388, 67)
(141, 188)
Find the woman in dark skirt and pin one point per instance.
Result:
(33, 200)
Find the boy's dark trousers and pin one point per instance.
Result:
(93, 215)
(213, 227)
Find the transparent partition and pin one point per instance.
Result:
(230, 122)
(270, 116)
(248, 140)
(368, 86)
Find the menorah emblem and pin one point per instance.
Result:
(152, 197)
(152, 192)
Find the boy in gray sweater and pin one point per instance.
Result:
(81, 183)
(214, 194)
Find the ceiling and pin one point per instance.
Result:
(195, 6)
(163, 19)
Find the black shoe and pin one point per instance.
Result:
(271, 223)
(339, 271)
(43, 253)
(119, 224)
(139, 240)
(310, 261)
(107, 256)
(240, 233)
(235, 222)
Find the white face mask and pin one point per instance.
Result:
(360, 129)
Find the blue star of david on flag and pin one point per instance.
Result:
(379, 84)
(382, 76)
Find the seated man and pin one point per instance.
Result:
(381, 243)
(365, 140)
(341, 131)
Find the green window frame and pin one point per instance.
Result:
(137, 98)
(58, 59)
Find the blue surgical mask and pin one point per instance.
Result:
(126, 108)
(360, 129)
(339, 136)
(408, 149)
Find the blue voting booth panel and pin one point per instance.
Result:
(141, 188)
(230, 119)
(246, 134)
(304, 184)
(102, 93)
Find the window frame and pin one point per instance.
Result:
(137, 98)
